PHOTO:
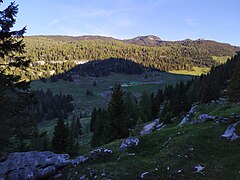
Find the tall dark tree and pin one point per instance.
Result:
(145, 107)
(76, 127)
(93, 119)
(155, 106)
(234, 85)
(14, 94)
(100, 134)
(117, 125)
(130, 111)
(60, 137)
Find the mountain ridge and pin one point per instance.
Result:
(139, 40)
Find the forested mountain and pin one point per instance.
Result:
(56, 54)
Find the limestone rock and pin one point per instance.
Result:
(32, 165)
(129, 142)
(199, 168)
(79, 160)
(184, 120)
(230, 132)
(99, 153)
(150, 127)
(205, 117)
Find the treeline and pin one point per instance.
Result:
(51, 56)
(49, 106)
(211, 86)
(221, 81)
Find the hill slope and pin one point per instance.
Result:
(60, 53)
(172, 153)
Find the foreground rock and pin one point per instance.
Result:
(32, 165)
(41, 165)
(199, 168)
(129, 142)
(230, 132)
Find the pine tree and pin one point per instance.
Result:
(138, 128)
(100, 133)
(166, 114)
(72, 145)
(130, 112)
(60, 137)
(117, 125)
(14, 96)
(234, 85)
(155, 106)
(145, 107)
(93, 119)
(78, 128)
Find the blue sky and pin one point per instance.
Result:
(169, 19)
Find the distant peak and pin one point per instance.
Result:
(149, 37)
(145, 40)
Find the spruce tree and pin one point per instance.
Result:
(117, 125)
(100, 133)
(60, 137)
(78, 128)
(93, 119)
(145, 107)
(155, 106)
(234, 85)
(14, 96)
(130, 112)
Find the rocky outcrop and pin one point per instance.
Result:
(186, 118)
(231, 133)
(32, 165)
(99, 153)
(202, 118)
(150, 127)
(40, 165)
(205, 117)
(79, 160)
(129, 142)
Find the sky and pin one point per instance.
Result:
(168, 19)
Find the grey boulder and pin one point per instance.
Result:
(230, 132)
(129, 142)
(32, 165)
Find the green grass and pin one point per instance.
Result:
(170, 147)
(214, 109)
(197, 71)
(221, 59)
(85, 104)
